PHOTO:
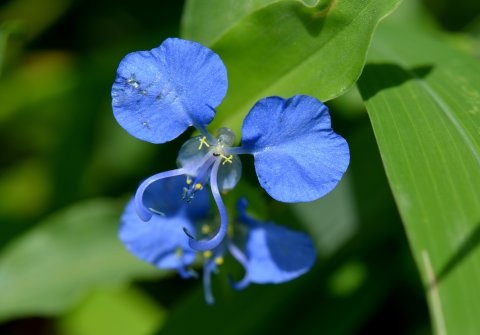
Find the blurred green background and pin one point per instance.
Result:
(65, 164)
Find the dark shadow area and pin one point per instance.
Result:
(377, 77)
(470, 244)
(454, 15)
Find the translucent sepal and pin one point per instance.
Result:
(225, 137)
(229, 173)
(192, 153)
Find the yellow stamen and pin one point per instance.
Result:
(219, 260)
(198, 186)
(189, 180)
(227, 159)
(206, 229)
(207, 254)
(203, 141)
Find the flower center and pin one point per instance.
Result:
(198, 156)
(217, 150)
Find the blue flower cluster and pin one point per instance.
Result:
(156, 96)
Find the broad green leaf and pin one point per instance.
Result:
(205, 21)
(288, 48)
(423, 99)
(56, 263)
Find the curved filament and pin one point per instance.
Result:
(208, 268)
(242, 259)
(215, 241)
(143, 212)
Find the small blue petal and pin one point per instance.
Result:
(272, 253)
(158, 94)
(298, 157)
(276, 254)
(161, 241)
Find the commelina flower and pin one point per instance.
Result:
(269, 253)
(158, 94)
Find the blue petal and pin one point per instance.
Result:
(158, 94)
(276, 254)
(298, 157)
(273, 253)
(161, 241)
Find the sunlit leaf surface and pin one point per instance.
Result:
(206, 21)
(288, 48)
(423, 99)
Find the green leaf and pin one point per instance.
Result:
(288, 48)
(56, 263)
(331, 221)
(423, 99)
(119, 311)
(205, 21)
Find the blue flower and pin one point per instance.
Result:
(268, 252)
(158, 94)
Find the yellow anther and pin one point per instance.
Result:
(206, 229)
(207, 254)
(227, 159)
(179, 252)
(189, 180)
(203, 141)
(198, 186)
(219, 260)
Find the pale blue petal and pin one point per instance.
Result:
(298, 157)
(158, 94)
